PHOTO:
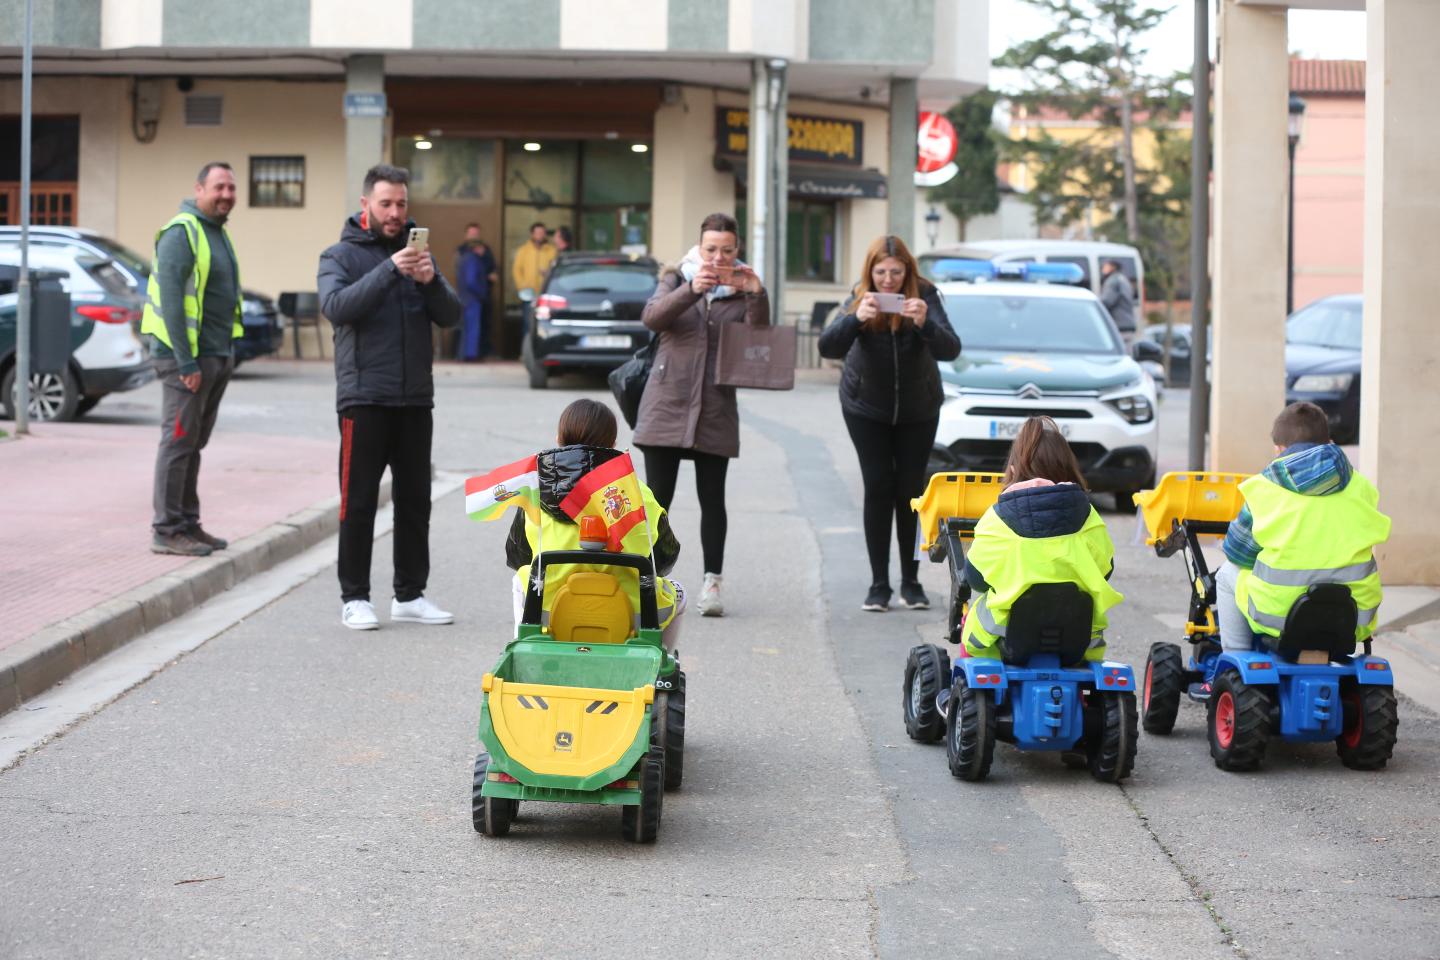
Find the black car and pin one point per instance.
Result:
(1322, 360)
(587, 316)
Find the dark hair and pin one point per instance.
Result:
(564, 234)
(1114, 263)
(1300, 423)
(384, 171)
(882, 248)
(720, 223)
(204, 173)
(1040, 451)
(472, 225)
(537, 223)
(589, 422)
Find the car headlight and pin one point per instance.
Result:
(1323, 383)
(1134, 407)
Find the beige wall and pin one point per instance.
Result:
(278, 248)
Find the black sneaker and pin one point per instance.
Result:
(878, 599)
(912, 595)
(214, 543)
(180, 544)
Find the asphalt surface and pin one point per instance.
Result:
(293, 789)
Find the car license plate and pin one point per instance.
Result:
(605, 341)
(1007, 429)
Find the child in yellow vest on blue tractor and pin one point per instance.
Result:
(1308, 518)
(1041, 530)
(586, 439)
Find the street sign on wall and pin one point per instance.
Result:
(365, 105)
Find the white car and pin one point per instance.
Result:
(1030, 349)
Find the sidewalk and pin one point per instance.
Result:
(77, 577)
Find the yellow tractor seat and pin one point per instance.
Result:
(591, 607)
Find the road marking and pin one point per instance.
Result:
(85, 692)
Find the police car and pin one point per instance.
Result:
(1032, 346)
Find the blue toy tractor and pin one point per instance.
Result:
(1307, 686)
(1042, 694)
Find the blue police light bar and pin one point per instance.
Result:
(972, 271)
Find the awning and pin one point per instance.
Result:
(815, 180)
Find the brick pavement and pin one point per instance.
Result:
(75, 510)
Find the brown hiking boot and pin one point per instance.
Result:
(181, 544)
(214, 543)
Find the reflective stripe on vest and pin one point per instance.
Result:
(1307, 578)
(1363, 618)
(153, 319)
(987, 619)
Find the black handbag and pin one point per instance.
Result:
(628, 380)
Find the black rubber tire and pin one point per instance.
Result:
(641, 822)
(1162, 687)
(539, 377)
(1110, 741)
(53, 397)
(489, 815)
(927, 672)
(85, 405)
(1249, 724)
(955, 610)
(969, 731)
(1370, 745)
(670, 710)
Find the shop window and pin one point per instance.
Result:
(541, 173)
(810, 241)
(277, 181)
(448, 169)
(614, 172)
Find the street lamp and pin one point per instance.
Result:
(1296, 122)
(932, 225)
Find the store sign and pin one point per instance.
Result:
(935, 160)
(812, 139)
(365, 105)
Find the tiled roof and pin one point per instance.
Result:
(1327, 76)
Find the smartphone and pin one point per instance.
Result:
(889, 302)
(725, 271)
(419, 239)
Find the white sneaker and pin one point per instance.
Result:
(419, 610)
(710, 605)
(359, 615)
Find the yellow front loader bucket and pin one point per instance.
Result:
(964, 496)
(565, 731)
(1199, 495)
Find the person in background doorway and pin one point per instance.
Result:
(382, 298)
(532, 261)
(1118, 295)
(475, 272)
(564, 239)
(192, 314)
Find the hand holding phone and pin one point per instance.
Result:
(419, 239)
(889, 302)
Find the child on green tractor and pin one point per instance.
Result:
(585, 441)
(1308, 518)
(1041, 530)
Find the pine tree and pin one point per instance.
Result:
(973, 191)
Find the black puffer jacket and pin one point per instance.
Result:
(560, 469)
(892, 376)
(382, 321)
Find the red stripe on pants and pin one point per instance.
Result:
(347, 431)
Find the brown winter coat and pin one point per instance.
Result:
(683, 406)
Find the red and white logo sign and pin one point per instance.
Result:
(937, 143)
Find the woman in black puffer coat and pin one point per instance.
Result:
(890, 396)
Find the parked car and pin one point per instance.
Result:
(587, 315)
(1048, 349)
(258, 315)
(1322, 360)
(1179, 350)
(107, 357)
(1088, 255)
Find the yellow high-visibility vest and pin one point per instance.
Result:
(1012, 564)
(1306, 540)
(153, 321)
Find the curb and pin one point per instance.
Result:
(44, 659)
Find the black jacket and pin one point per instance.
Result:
(560, 469)
(892, 377)
(382, 322)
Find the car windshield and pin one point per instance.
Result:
(127, 258)
(1329, 323)
(633, 279)
(997, 322)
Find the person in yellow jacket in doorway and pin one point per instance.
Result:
(1041, 530)
(1308, 518)
(532, 261)
(192, 316)
(586, 439)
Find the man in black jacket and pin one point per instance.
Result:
(381, 296)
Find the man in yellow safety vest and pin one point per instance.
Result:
(192, 315)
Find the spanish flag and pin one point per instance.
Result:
(513, 485)
(612, 492)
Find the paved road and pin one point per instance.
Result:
(314, 782)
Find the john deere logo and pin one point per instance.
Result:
(564, 741)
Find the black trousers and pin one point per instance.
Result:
(662, 471)
(371, 439)
(892, 466)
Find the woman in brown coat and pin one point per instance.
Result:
(684, 413)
